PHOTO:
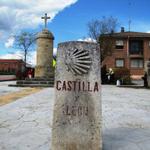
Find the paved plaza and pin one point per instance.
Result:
(5, 89)
(25, 124)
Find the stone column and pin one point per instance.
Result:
(44, 65)
(77, 110)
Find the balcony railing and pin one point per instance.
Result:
(134, 52)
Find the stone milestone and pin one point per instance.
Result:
(77, 110)
(44, 65)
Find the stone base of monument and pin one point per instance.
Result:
(35, 82)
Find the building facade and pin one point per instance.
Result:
(12, 65)
(129, 50)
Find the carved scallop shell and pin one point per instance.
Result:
(78, 61)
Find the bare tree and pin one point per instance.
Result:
(25, 42)
(106, 25)
(94, 29)
(106, 45)
(97, 29)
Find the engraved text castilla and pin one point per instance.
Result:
(77, 86)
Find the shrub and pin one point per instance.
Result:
(122, 74)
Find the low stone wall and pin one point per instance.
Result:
(7, 77)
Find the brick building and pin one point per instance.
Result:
(12, 65)
(15, 67)
(130, 50)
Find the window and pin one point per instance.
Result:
(137, 63)
(119, 44)
(136, 47)
(119, 62)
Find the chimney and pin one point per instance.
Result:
(122, 29)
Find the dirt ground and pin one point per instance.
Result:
(10, 97)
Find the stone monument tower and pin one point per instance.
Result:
(44, 71)
(44, 66)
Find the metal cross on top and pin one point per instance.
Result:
(45, 19)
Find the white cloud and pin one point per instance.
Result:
(31, 58)
(16, 55)
(148, 31)
(1, 34)
(19, 14)
(9, 43)
(54, 51)
(88, 39)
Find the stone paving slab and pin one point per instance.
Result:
(5, 89)
(26, 124)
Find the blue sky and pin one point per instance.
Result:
(71, 24)
(69, 17)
